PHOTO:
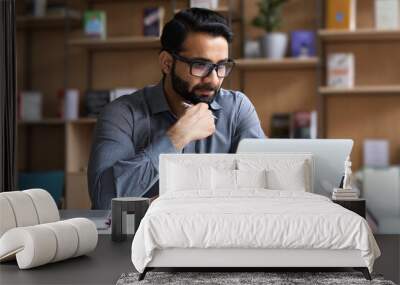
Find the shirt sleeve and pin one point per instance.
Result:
(116, 168)
(247, 122)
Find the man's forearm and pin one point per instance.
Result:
(129, 176)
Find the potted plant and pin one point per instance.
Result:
(273, 44)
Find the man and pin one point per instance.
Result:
(187, 112)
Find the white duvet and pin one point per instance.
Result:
(250, 218)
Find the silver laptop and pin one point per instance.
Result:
(329, 156)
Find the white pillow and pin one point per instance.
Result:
(227, 179)
(282, 174)
(292, 178)
(188, 177)
(251, 178)
(223, 179)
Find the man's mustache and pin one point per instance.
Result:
(207, 87)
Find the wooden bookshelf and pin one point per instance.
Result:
(76, 194)
(369, 109)
(125, 58)
(48, 21)
(117, 42)
(374, 90)
(358, 35)
(287, 63)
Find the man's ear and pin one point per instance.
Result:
(166, 61)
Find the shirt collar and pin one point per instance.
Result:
(156, 99)
(215, 106)
(158, 103)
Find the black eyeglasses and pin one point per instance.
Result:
(201, 68)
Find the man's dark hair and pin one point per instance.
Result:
(193, 20)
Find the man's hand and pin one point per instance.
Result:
(196, 123)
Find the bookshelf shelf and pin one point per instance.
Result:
(47, 121)
(384, 89)
(83, 121)
(117, 42)
(359, 35)
(223, 10)
(48, 21)
(57, 121)
(287, 63)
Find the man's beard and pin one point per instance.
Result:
(181, 87)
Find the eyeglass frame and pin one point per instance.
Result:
(192, 61)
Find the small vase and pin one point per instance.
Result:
(274, 45)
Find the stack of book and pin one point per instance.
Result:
(95, 101)
(344, 194)
(301, 124)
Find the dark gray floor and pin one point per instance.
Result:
(389, 262)
(110, 260)
(103, 266)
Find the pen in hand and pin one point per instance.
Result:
(187, 105)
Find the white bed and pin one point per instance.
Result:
(201, 219)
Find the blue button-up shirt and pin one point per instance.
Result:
(131, 133)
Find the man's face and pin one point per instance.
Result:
(205, 47)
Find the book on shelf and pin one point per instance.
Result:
(95, 24)
(36, 8)
(340, 70)
(96, 100)
(300, 124)
(345, 198)
(61, 10)
(345, 194)
(341, 14)
(281, 125)
(118, 92)
(206, 4)
(387, 14)
(304, 125)
(376, 153)
(69, 104)
(153, 20)
(302, 43)
(30, 105)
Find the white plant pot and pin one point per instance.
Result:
(274, 45)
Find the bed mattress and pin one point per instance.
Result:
(250, 219)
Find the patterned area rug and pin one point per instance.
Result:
(243, 278)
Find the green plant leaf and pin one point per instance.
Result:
(269, 17)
